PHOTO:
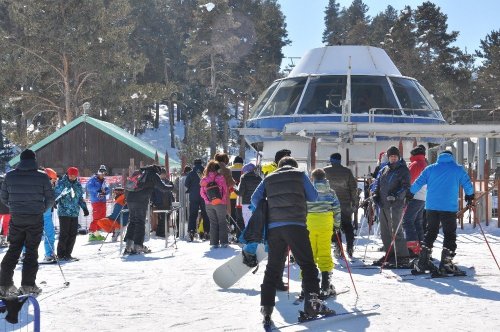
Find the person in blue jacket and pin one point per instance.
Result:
(443, 180)
(98, 190)
(287, 191)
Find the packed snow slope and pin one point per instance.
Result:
(172, 290)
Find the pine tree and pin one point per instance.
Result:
(332, 35)
(488, 91)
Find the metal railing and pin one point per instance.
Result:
(28, 317)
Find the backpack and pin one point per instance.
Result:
(213, 191)
(136, 181)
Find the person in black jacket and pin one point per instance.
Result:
(28, 193)
(4, 221)
(162, 201)
(196, 203)
(248, 182)
(137, 202)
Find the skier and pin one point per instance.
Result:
(69, 193)
(28, 194)
(137, 202)
(98, 189)
(248, 182)
(112, 222)
(49, 232)
(412, 220)
(345, 185)
(443, 180)
(196, 203)
(287, 189)
(214, 192)
(323, 216)
(392, 185)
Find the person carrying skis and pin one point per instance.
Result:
(49, 232)
(343, 182)
(323, 216)
(138, 202)
(112, 222)
(392, 185)
(196, 203)
(69, 200)
(443, 180)
(98, 189)
(414, 214)
(214, 191)
(287, 189)
(28, 194)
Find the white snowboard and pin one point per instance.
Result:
(233, 270)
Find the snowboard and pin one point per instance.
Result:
(233, 270)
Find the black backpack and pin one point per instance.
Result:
(213, 191)
(136, 181)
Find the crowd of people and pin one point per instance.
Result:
(304, 214)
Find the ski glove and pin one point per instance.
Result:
(409, 196)
(469, 199)
(249, 253)
(85, 212)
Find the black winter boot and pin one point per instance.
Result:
(327, 288)
(266, 311)
(446, 266)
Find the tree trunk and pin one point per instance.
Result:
(213, 118)
(67, 90)
(246, 106)
(157, 115)
(171, 114)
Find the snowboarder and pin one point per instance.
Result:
(28, 194)
(214, 192)
(392, 185)
(443, 180)
(69, 200)
(98, 190)
(287, 189)
(345, 186)
(413, 218)
(137, 202)
(196, 203)
(323, 216)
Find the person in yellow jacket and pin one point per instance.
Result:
(322, 215)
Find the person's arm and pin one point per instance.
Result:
(420, 181)
(310, 191)
(405, 183)
(353, 189)
(258, 194)
(4, 194)
(466, 183)
(48, 193)
(160, 185)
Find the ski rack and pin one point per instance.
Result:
(24, 319)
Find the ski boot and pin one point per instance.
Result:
(141, 249)
(266, 311)
(33, 290)
(350, 251)
(423, 262)
(446, 267)
(8, 291)
(129, 247)
(313, 307)
(327, 288)
(49, 259)
(116, 234)
(337, 253)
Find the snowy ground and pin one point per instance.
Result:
(172, 290)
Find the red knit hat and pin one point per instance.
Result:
(72, 171)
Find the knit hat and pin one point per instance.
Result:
(247, 168)
(417, 151)
(72, 171)
(281, 153)
(393, 151)
(336, 156)
(51, 173)
(238, 160)
(28, 154)
(102, 170)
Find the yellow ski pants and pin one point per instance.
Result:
(320, 226)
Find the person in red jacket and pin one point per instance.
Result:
(413, 218)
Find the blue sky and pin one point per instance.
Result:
(305, 20)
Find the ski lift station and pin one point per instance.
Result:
(352, 100)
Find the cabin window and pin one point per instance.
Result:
(324, 95)
(409, 95)
(369, 92)
(286, 98)
(261, 102)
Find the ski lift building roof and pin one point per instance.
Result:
(87, 142)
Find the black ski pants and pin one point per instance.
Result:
(449, 222)
(24, 230)
(194, 206)
(347, 228)
(136, 228)
(278, 239)
(68, 230)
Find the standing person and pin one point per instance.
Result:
(137, 202)
(236, 213)
(98, 189)
(392, 186)
(69, 193)
(248, 182)
(345, 186)
(196, 203)
(49, 232)
(4, 221)
(414, 214)
(180, 181)
(215, 194)
(287, 189)
(323, 216)
(162, 201)
(443, 180)
(28, 194)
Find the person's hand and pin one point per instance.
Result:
(409, 196)
(251, 208)
(469, 199)
(85, 212)
(391, 198)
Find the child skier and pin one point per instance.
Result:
(322, 216)
(112, 222)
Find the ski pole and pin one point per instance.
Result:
(66, 283)
(346, 263)
(393, 240)
(485, 239)
(288, 273)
